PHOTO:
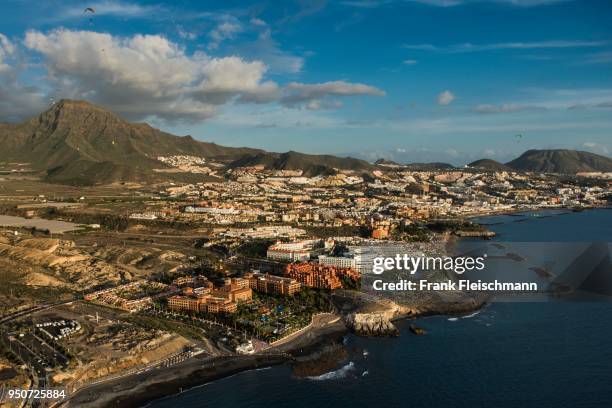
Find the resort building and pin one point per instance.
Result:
(338, 261)
(320, 276)
(292, 251)
(273, 284)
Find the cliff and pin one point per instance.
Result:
(371, 324)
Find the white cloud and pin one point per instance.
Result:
(470, 47)
(224, 31)
(258, 22)
(17, 100)
(184, 34)
(563, 99)
(6, 50)
(150, 77)
(445, 97)
(310, 95)
(317, 104)
(410, 62)
(597, 148)
(340, 88)
(505, 108)
(583, 105)
(146, 74)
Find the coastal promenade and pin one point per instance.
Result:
(318, 321)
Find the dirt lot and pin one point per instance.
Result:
(107, 344)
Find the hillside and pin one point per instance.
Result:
(488, 164)
(76, 142)
(311, 164)
(386, 162)
(561, 161)
(415, 166)
(428, 166)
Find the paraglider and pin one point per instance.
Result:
(89, 10)
(519, 137)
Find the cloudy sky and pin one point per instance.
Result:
(409, 80)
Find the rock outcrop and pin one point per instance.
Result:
(371, 324)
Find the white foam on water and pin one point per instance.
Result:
(471, 315)
(262, 368)
(335, 375)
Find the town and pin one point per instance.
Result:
(158, 275)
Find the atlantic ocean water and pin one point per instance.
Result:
(521, 354)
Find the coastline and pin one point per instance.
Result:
(140, 390)
(516, 211)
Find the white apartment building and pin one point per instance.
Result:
(338, 261)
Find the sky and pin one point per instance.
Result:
(406, 80)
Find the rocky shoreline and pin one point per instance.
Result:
(376, 317)
(367, 316)
(142, 389)
(358, 312)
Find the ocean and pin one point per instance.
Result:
(540, 354)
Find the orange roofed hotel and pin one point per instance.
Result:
(205, 298)
(273, 284)
(320, 276)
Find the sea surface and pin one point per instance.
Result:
(537, 354)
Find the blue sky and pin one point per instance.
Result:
(427, 80)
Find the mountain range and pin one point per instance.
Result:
(76, 142)
(561, 161)
(311, 164)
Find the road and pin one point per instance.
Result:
(31, 310)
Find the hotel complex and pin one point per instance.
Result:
(273, 284)
(320, 276)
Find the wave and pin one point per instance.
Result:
(365, 373)
(335, 375)
(471, 315)
(452, 319)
